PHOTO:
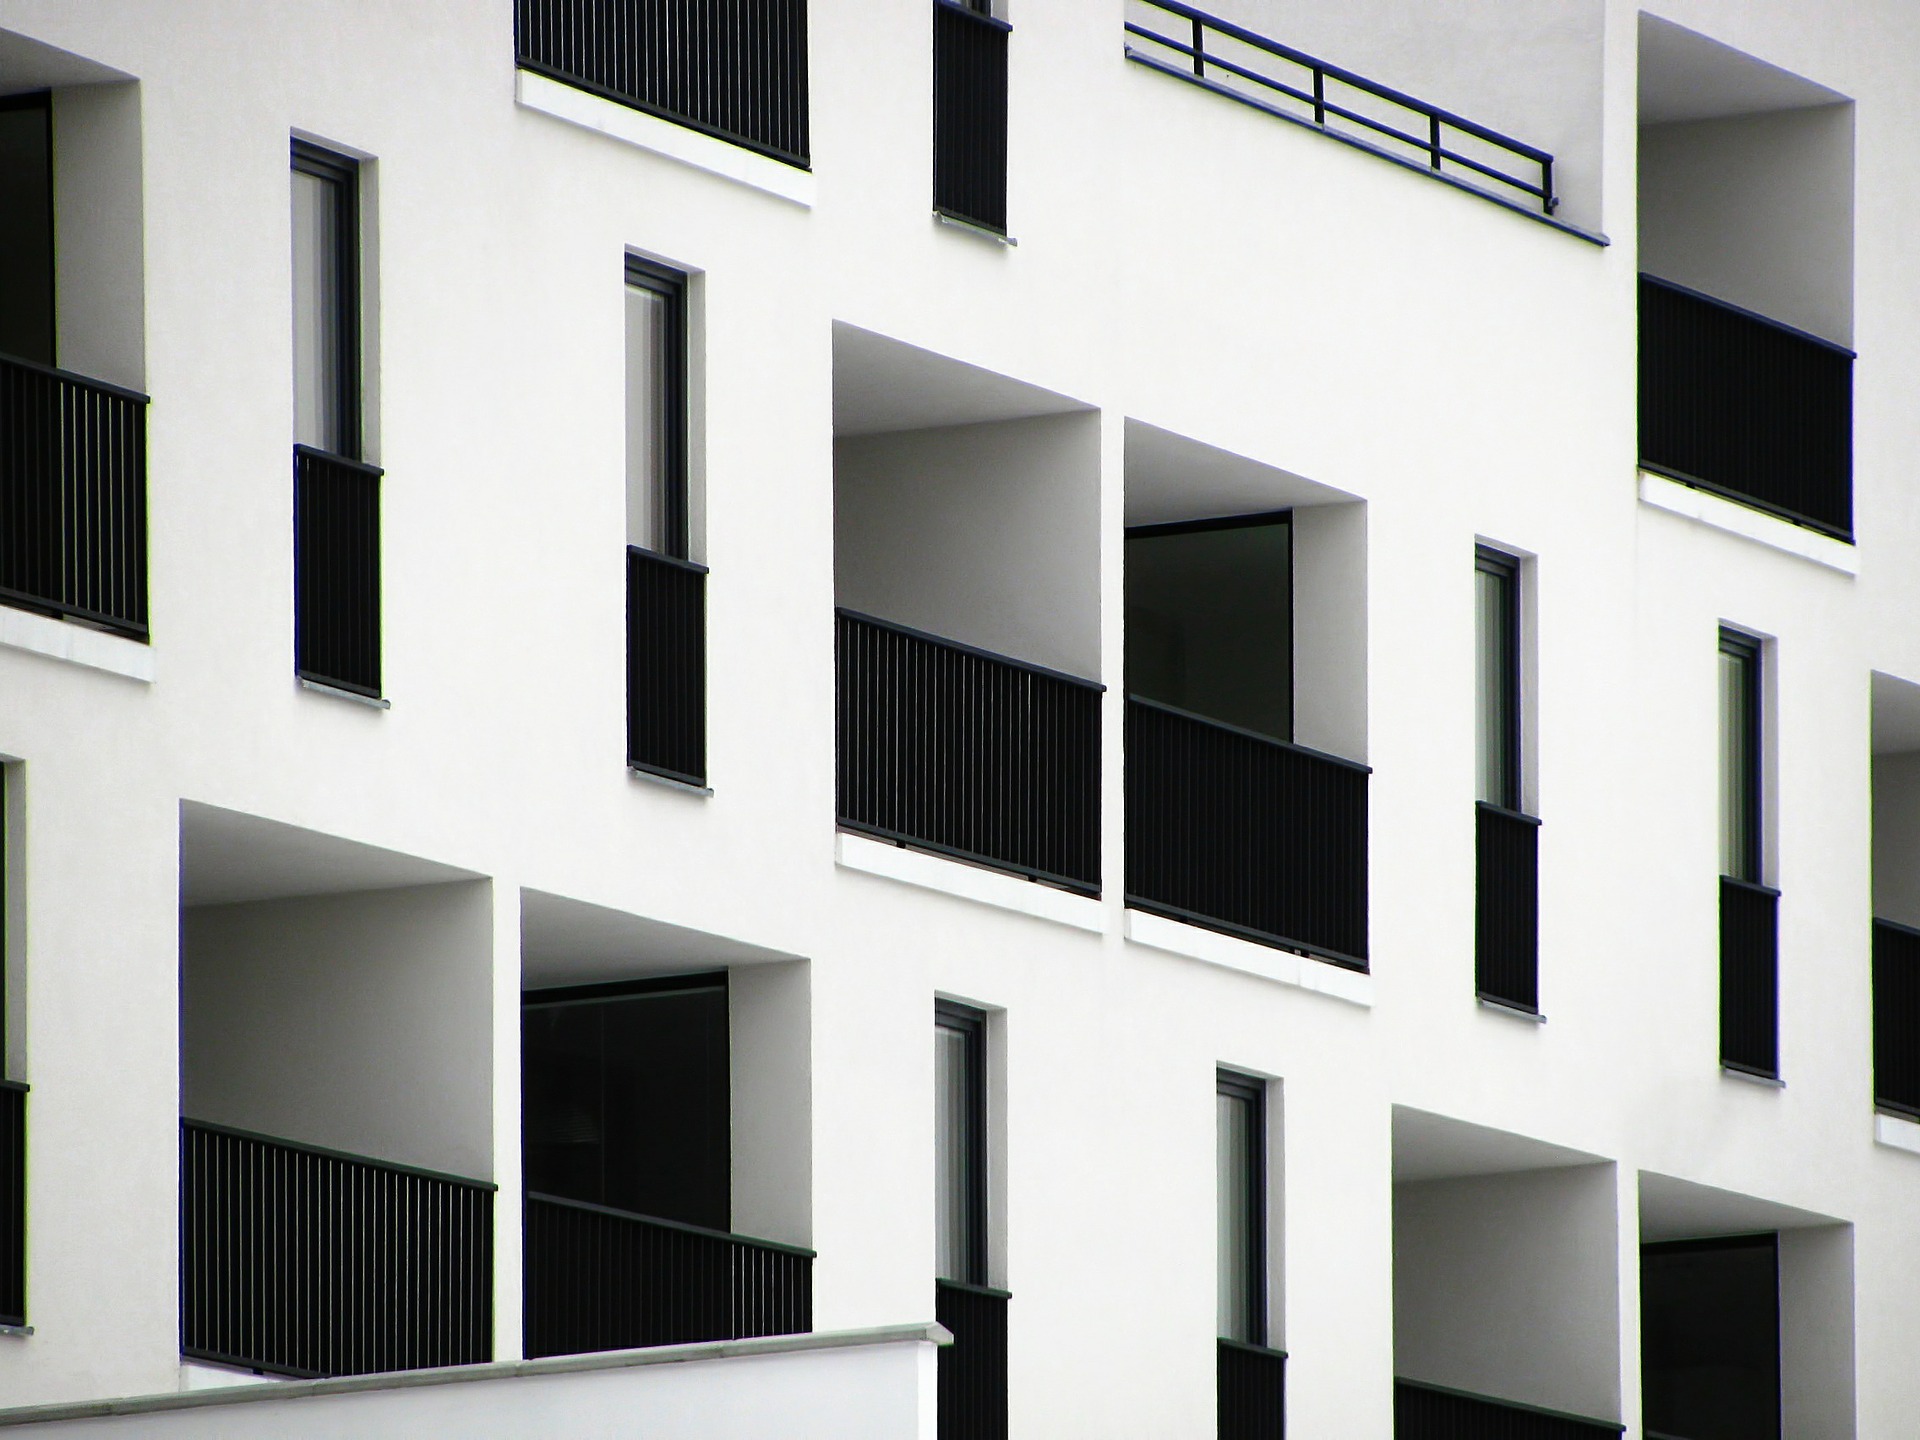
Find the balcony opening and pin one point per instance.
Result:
(966, 572)
(336, 1092)
(1746, 1316)
(1896, 897)
(1746, 292)
(72, 340)
(664, 1115)
(1246, 698)
(1506, 1311)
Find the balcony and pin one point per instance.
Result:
(1749, 978)
(1252, 1383)
(667, 666)
(967, 753)
(1896, 1018)
(734, 69)
(13, 1203)
(1745, 407)
(973, 1369)
(73, 497)
(336, 571)
(1432, 1412)
(296, 1260)
(970, 115)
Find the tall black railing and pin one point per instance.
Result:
(1746, 407)
(1252, 1384)
(967, 753)
(336, 571)
(972, 1384)
(732, 68)
(601, 1279)
(1896, 1018)
(970, 115)
(1246, 834)
(1250, 67)
(1749, 977)
(667, 666)
(73, 497)
(13, 1203)
(1506, 930)
(300, 1261)
(1433, 1412)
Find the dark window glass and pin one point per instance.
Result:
(960, 1144)
(1496, 625)
(656, 409)
(1740, 797)
(1241, 1165)
(326, 301)
(26, 227)
(1710, 1338)
(625, 1099)
(1210, 619)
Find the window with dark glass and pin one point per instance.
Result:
(1496, 623)
(656, 408)
(1241, 1168)
(326, 301)
(625, 1097)
(1506, 840)
(960, 1144)
(1749, 908)
(1740, 798)
(1710, 1338)
(26, 227)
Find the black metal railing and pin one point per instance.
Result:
(73, 497)
(1506, 924)
(967, 753)
(1896, 1018)
(1745, 407)
(13, 1203)
(1749, 967)
(1433, 1412)
(296, 1260)
(1262, 72)
(1252, 1385)
(1246, 834)
(736, 69)
(667, 666)
(972, 1385)
(970, 115)
(602, 1279)
(336, 571)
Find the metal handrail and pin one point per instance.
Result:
(300, 1147)
(665, 1224)
(965, 649)
(1359, 766)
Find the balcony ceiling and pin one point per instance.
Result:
(1438, 1147)
(1686, 76)
(1172, 478)
(571, 942)
(1672, 1209)
(881, 385)
(227, 857)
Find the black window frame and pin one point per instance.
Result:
(42, 101)
(1506, 569)
(1750, 650)
(671, 286)
(342, 172)
(971, 1024)
(1237, 1085)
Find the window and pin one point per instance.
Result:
(26, 227)
(656, 408)
(1749, 909)
(1496, 625)
(1710, 1337)
(326, 301)
(1740, 798)
(1506, 945)
(960, 1144)
(970, 113)
(1241, 1163)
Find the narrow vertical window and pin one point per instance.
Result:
(326, 301)
(1740, 800)
(1241, 1154)
(1496, 617)
(970, 113)
(13, 1123)
(1506, 937)
(656, 409)
(972, 1386)
(1749, 908)
(26, 227)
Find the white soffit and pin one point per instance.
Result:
(881, 385)
(227, 857)
(1171, 478)
(572, 942)
(1673, 1209)
(1438, 1147)
(29, 65)
(1896, 715)
(1686, 76)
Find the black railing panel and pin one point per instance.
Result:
(1896, 1018)
(602, 1279)
(73, 497)
(736, 69)
(970, 754)
(13, 1203)
(1252, 1385)
(1433, 1412)
(1740, 405)
(300, 1261)
(1245, 833)
(336, 571)
(970, 115)
(972, 1385)
(1251, 67)
(1506, 931)
(667, 666)
(1749, 977)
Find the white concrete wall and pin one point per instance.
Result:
(360, 1022)
(1816, 1333)
(771, 1063)
(1330, 629)
(99, 231)
(978, 533)
(1505, 1285)
(1896, 837)
(1756, 210)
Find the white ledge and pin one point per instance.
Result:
(1897, 1132)
(664, 138)
(1283, 967)
(1746, 522)
(334, 692)
(77, 644)
(968, 882)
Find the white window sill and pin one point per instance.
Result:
(1749, 524)
(334, 692)
(76, 644)
(663, 137)
(1897, 1133)
(1283, 967)
(968, 882)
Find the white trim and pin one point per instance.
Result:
(1897, 1132)
(320, 687)
(968, 882)
(664, 138)
(1283, 967)
(1748, 523)
(685, 787)
(76, 643)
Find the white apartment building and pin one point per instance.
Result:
(1059, 719)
